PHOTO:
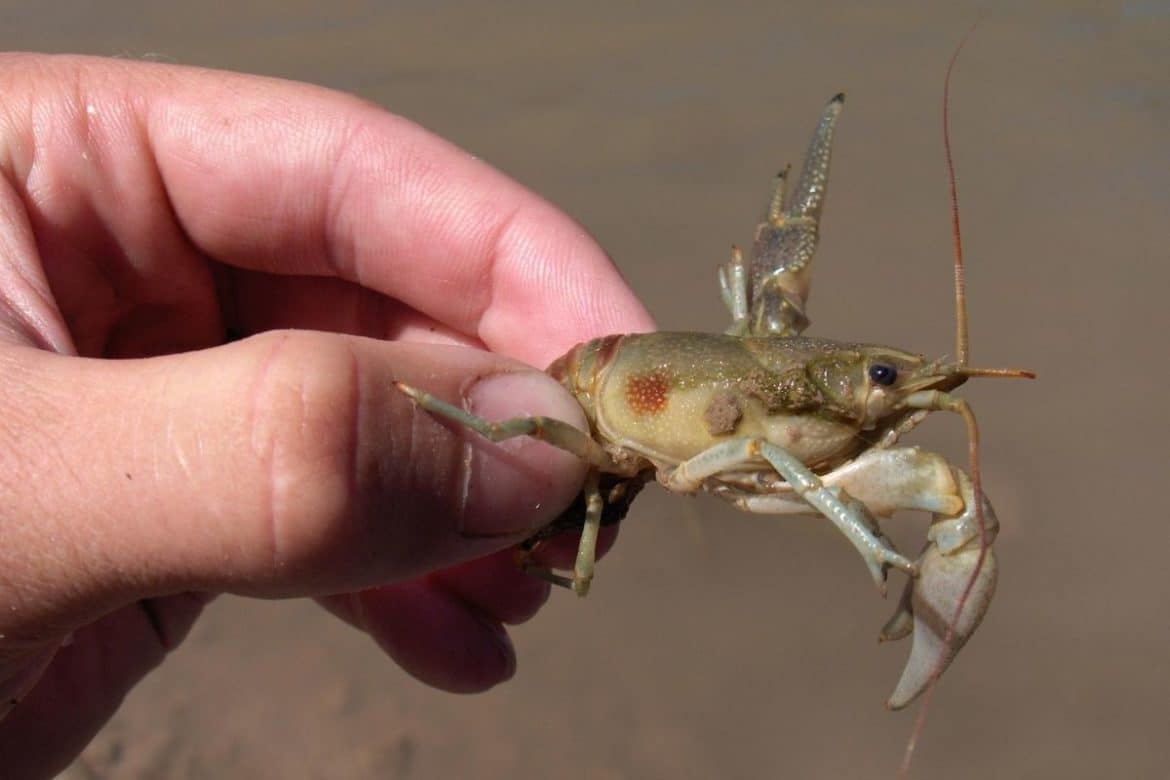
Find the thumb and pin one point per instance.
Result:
(285, 464)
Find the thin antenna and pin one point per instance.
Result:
(962, 343)
(962, 354)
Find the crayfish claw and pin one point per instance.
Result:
(957, 565)
(934, 599)
(901, 623)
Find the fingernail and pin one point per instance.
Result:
(520, 484)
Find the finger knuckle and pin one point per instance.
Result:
(305, 409)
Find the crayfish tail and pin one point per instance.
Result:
(934, 599)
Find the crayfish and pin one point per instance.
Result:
(779, 423)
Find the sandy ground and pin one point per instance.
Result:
(717, 644)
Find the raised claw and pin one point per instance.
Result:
(928, 609)
(767, 295)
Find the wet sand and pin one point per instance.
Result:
(718, 644)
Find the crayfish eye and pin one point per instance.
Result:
(883, 374)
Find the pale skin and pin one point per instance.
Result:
(153, 214)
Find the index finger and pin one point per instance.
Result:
(296, 179)
(289, 178)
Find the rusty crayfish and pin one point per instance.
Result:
(779, 423)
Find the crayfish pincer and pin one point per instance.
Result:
(779, 423)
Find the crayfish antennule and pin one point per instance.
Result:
(998, 373)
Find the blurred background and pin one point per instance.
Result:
(714, 643)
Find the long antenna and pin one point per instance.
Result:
(962, 354)
(962, 343)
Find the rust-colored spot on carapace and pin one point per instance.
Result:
(647, 393)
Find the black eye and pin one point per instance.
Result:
(882, 374)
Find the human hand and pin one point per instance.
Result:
(147, 211)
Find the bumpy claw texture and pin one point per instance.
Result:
(767, 295)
